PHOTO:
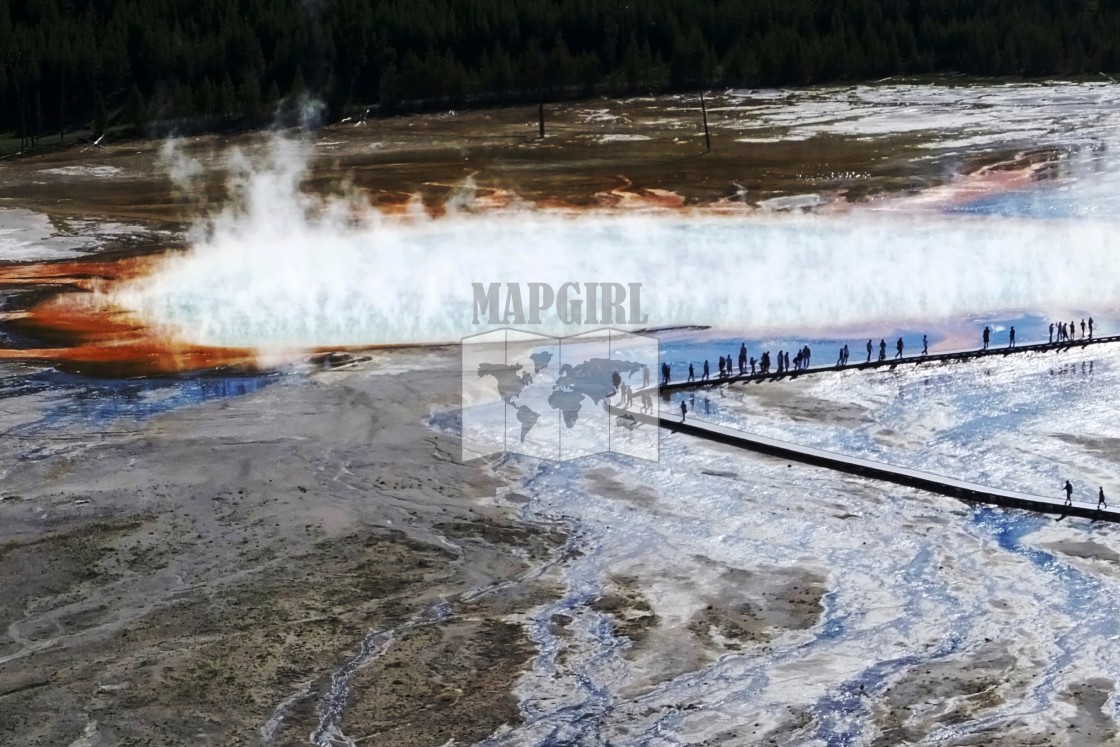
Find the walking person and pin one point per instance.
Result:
(925, 346)
(987, 337)
(1069, 494)
(743, 359)
(1051, 333)
(1090, 328)
(845, 354)
(787, 361)
(684, 410)
(882, 350)
(706, 371)
(1011, 344)
(1101, 503)
(898, 346)
(1082, 329)
(840, 358)
(869, 351)
(691, 373)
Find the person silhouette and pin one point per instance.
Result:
(987, 337)
(645, 377)
(840, 358)
(1082, 329)
(786, 366)
(1011, 336)
(753, 361)
(1101, 503)
(898, 346)
(691, 373)
(882, 350)
(925, 345)
(684, 410)
(845, 354)
(706, 371)
(869, 351)
(1069, 494)
(1090, 328)
(1051, 333)
(743, 359)
(721, 366)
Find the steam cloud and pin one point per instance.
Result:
(283, 269)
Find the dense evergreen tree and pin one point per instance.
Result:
(68, 64)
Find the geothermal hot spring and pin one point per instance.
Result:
(282, 269)
(1013, 611)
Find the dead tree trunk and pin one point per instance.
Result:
(707, 135)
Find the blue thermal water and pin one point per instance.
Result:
(76, 403)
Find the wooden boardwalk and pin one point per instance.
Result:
(954, 356)
(952, 487)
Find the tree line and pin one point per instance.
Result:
(68, 64)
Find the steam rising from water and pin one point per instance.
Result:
(280, 268)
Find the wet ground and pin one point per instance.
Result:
(215, 532)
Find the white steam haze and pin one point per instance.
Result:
(279, 268)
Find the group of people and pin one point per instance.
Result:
(898, 347)
(783, 363)
(1059, 332)
(757, 366)
(1101, 503)
(1068, 333)
(625, 392)
(986, 336)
